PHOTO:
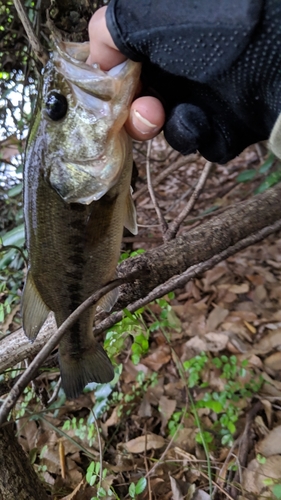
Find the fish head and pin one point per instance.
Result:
(83, 112)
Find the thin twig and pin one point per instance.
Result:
(27, 376)
(192, 272)
(160, 216)
(37, 48)
(164, 173)
(55, 393)
(174, 226)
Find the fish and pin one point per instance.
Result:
(77, 200)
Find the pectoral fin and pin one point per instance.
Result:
(131, 215)
(34, 310)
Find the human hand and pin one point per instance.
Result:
(215, 65)
(147, 115)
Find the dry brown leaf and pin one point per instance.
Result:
(166, 408)
(113, 419)
(213, 275)
(145, 409)
(197, 344)
(28, 433)
(260, 293)
(271, 444)
(216, 341)
(142, 443)
(256, 473)
(268, 342)
(158, 358)
(273, 362)
(268, 411)
(237, 289)
(181, 490)
(250, 327)
(201, 495)
(216, 317)
(74, 493)
(185, 438)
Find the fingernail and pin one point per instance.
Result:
(142, 124)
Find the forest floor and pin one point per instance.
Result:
(196, 406)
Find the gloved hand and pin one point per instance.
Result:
(216, 66)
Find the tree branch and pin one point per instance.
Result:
(37, 48)
(216, 239)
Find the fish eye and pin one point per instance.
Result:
(56, 106)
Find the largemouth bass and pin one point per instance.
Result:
(77, 199)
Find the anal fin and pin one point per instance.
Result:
(34, 310)
(107, 301)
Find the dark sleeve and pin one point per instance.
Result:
(197, 39)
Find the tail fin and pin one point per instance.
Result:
(92, 365)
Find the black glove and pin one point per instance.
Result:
(216, 66)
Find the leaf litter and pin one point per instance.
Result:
(196, 426)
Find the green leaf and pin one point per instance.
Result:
(216, 406)
(276, 490)
(141, 485)
(136, 359)
(246, 176)
(15, 190)
(231, 427)
(129, 315)
(90, 472)
(267, 164)
(132, 490)
(270, 181)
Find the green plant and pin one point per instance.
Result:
(135, 326)
(137, 489)
(127, 402)
(28, 395)
(270, 169)
(92, 475)
(82, 429)
(224, 403)
(275, 487)
(131, 325)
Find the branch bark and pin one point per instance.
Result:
(200, 244)
(18, 479)
(173, 258)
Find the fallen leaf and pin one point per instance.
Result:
(216, 317)
(256, 473)
(78, 488)
(216, 341)
(145, 409)
(271, 444)
(201, 495)
(273, 362)
(166, 408)
(158, 358)
(268, 342)
(181, 490)
(142, 443)
(260, 293)
(237, 289)
(250, 327)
